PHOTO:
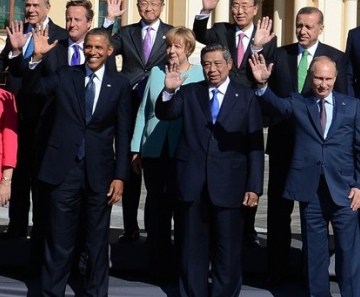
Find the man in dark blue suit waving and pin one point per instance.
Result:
(80, 161)
(324, 172)
(219, 168)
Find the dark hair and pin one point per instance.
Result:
(311, 10)
(98, 31)
(216, 47)
(83, 3)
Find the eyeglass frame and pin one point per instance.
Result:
(244, 7)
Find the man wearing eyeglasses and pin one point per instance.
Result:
(142, 46)
(242, 38)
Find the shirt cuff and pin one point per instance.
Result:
(32, 64)
(166, 96)
(107, 23)
(200, 17)
(260, 92)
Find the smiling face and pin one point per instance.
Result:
(77, 24)
(36, 11)
(243, 12)
(150, 10)
(323, 77)
(96, 50)
(308, 29)
(176, 51)
(216, 68)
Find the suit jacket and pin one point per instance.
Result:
(225, 157)
(283, 82)
(150, 133)
(337, 156)
(127, 42)
(108, 129)
(8, 130)
(224, 33)
(17, 67)
(353, 62)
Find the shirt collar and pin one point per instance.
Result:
(311, 49)
(248, 32)
(222, 88)
(99, 73)
(155, 26)
(329, 99)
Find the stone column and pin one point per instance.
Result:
(297, 5)
(221, 13)
(279, 20)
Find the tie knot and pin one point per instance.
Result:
(305, 53)
(148, 29)
(215, 92)
(241, 36)
(76, 47)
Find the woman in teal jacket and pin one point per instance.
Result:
(154, 143)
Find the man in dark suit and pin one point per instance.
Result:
(353, 62)
(86, 159)
(219, 169)
(255, 38)
(324, 172)
(128, 41)
(284, 81)
(24, 179)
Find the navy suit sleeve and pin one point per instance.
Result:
(169, 110)
(275, 106)
(349, 67)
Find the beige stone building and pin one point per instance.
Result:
(340, 16)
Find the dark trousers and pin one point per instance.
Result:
(159, 207)
(62, 232)
(24, 180)
(210, 234)
(315, 218)
(278, 217)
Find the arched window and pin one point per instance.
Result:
(10, 10)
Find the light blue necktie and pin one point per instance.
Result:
(30, 48)
(214, 105)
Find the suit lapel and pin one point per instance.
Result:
(105, 90)
(159, 41)
(338, 113)
(230, 98)
(136, 37)
(79, 87)
(314, 113)
(202, 94)
(231, 36)
(293, 65)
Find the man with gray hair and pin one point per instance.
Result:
(24, 179)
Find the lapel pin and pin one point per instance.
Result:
(164, 37)
(108, 86)
(343, 103)
(236, 95)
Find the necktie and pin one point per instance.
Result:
(89, 97)
(322, 115)
(30, 48)
(214, 105)
(302, 70)
(89, 103)
(147, 44)
(240, 49)
(75, 59)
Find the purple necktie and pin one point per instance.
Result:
(147, 44)
(75, 59)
